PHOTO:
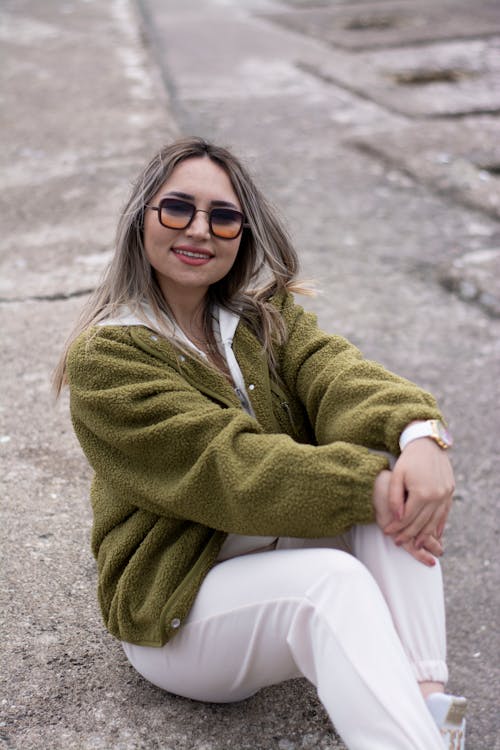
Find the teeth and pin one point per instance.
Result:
(192, 255)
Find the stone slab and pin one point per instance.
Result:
(72, 137)
(361, 26)
(475, 277)
(448, 79)
(460, 158)
(310, 4)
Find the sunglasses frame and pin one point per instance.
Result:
(202, 211)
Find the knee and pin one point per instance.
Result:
(345, 563)
(341, 571)
(340, 598)
(345, 592)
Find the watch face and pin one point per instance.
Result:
(442, 434)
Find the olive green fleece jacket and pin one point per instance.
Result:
(179, 464)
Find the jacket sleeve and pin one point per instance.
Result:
(157, 443)
(346, 397)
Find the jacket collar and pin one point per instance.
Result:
(227, 322)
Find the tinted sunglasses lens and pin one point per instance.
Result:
(226, 223)
(175, 214)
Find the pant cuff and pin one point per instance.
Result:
(431, 671)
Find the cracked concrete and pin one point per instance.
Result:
(474, 277)
(458, 159)
(382, 25)
(446, 79)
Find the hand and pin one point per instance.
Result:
(420, 493)
(430, 548)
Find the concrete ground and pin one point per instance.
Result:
(374, 128)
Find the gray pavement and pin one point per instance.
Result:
(392, 194)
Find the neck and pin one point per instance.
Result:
(187, 306)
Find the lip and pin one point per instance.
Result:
(192, 256)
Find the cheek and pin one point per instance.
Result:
(148, 234)
(156, 237)
(233, 249)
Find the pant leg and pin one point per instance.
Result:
(263, 618)
(414, 595)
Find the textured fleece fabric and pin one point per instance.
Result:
(179, 464)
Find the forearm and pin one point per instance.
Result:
(346, 396)
(236, 479)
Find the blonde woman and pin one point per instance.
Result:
(249, 525)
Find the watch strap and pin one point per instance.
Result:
(432, 428)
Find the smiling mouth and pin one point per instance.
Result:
(200, 255)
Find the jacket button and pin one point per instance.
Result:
(154, 338)
(251, 387)
(182, 358)
(175, 623)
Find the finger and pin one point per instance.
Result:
(436, 526)
(429, 543)
(396, 526)
(412, 509)
(418, 510)
(422, 515)
(416, 527)
(431, 529)
(397, 495)
(442, 521)
(422, 555)
(409, 517)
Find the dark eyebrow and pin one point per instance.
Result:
(191, 198)
(181, 195)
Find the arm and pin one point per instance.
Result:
(157, 443)
(346, 396)
(349, 398)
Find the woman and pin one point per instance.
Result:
(249, 525)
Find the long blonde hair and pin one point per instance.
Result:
(266, 262)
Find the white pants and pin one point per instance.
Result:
(317, 612)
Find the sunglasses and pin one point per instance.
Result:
(225, 223)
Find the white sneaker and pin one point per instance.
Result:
(448, 711)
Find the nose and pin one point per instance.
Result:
(199, 226)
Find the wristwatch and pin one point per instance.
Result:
(432, 428)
